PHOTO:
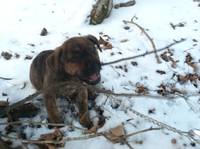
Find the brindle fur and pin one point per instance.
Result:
(72, 63)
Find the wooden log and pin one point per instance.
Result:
(100, 11)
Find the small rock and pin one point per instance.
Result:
(44, 32)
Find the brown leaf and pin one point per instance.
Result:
(188, 77)
(167, 57)
(106, 44)
(141, 89)
(91, 130)
(115, 134)
(57, 135)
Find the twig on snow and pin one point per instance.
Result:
(148, 36)
(35, 123)
(95, 89)
(67, 139)
(142, 131)
(146, 53)
(3, 78)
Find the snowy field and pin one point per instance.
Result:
(165, 21)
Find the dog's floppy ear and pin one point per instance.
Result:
(54, 61)
(94, 40)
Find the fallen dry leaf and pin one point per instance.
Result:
(115, 134)
(141, 89)
(57, 135)
(106, 44)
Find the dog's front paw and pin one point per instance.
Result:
(85, 121)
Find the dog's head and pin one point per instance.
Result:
(78, 56)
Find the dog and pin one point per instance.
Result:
(75, 62)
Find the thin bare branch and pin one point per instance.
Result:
(142, 131)
(35, 123)
(67, 139)
(148, 37)
(144, 54)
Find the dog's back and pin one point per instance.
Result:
(38, 68)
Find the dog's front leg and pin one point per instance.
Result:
(82, 103)
(79, 93)
(49, 91)
(51, 107)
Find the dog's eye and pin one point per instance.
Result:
(75, 57)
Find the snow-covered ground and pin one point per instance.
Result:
(20, 27)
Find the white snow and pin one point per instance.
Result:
(22, 22)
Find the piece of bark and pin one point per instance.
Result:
(3, 145)
(126, 4)
(3, 111)
(100, 11)
(26, 110)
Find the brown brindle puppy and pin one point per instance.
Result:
(74, 62)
